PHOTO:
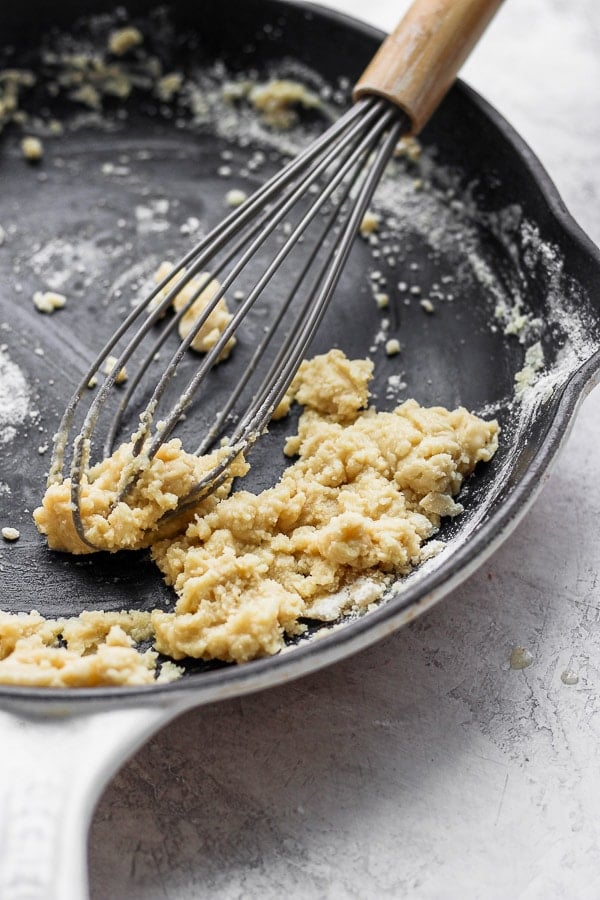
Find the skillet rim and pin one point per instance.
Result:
(360, 633)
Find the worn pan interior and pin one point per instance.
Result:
(504, 236)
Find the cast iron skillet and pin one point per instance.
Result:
(59, 747)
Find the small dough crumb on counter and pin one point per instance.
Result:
(10, 534)
(48, 301)
(91, 650)
(367, 490)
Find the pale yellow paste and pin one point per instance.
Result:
(133, 523)
(278, 100)
(368, 488)
(98, 648)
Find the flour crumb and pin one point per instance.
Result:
(190, 226)
(32, 149)
(169, 672)
(527, 376)
(48, 301)
(392, 346)
(235, 197)
(10, 534)
(108, 367)
(278, 100)
(408, 147)
(395, 384)
(370, 223)
(123, 40)
(169, 85)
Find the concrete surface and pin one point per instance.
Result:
(423, 767)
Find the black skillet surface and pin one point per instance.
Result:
(81, 220)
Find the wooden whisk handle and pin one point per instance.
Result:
(417, 63)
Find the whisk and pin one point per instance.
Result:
(317, 200)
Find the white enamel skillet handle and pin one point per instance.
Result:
(53, 768)
(417, 63)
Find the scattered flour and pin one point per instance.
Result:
(14, 398)
(534, 362)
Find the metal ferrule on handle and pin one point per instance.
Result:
(417, 63)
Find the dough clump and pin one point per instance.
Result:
(97, 649)
(134, 522)
(367, 490)
(206, 288)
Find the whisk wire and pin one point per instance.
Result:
(209, 248)
(341, 171)
(232, 222)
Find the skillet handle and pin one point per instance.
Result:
(419, 60)
(52, 771)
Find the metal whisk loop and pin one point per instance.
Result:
(229, 225)
(398, 91)
(263, 230)
(189, 266)
(341, 171)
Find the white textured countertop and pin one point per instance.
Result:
(423, 767)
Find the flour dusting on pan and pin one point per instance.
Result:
(14, 397)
